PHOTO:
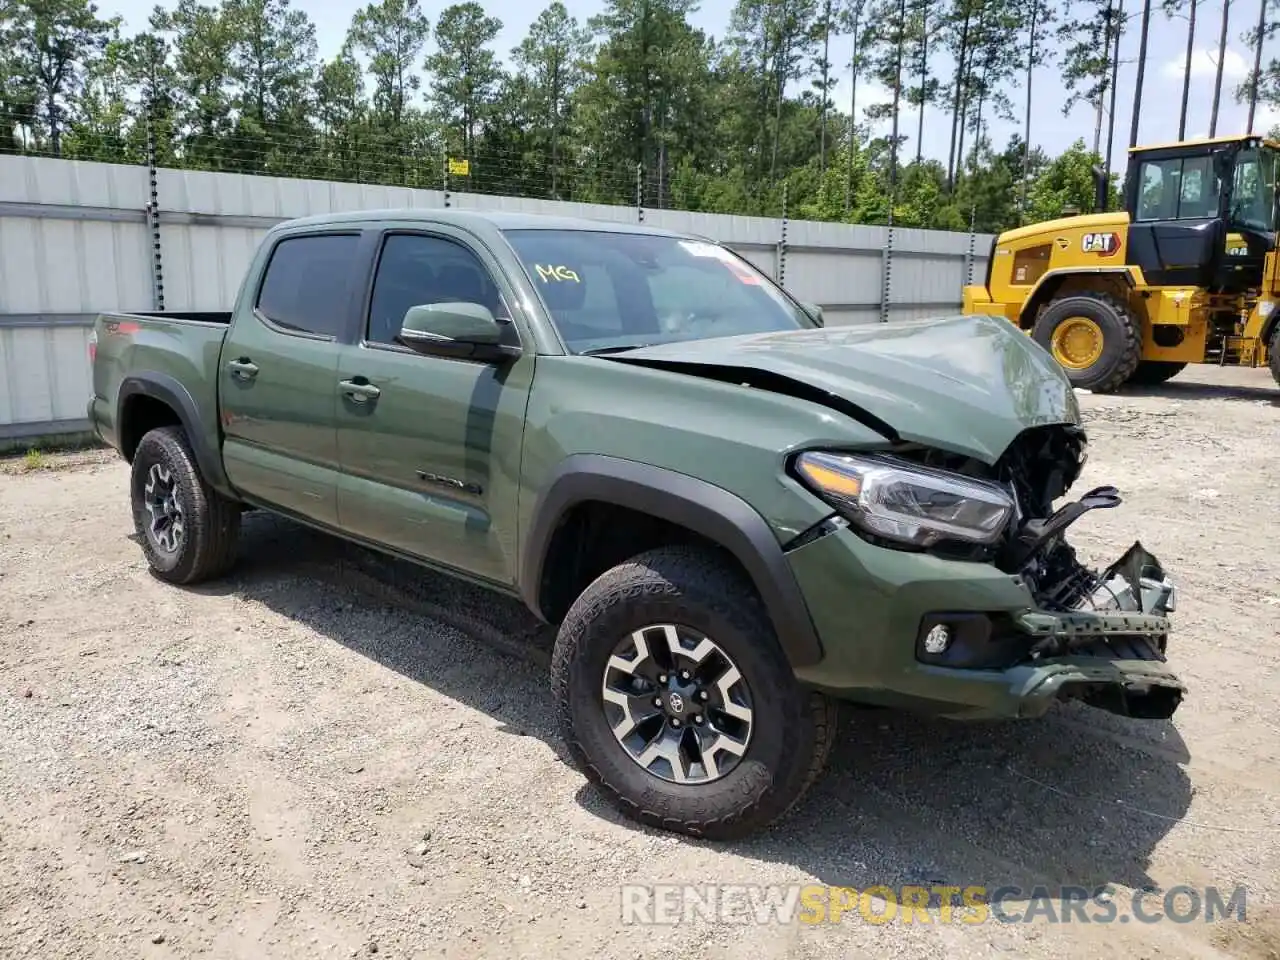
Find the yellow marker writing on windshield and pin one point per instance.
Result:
(555, 273)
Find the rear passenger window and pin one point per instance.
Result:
(307, 283)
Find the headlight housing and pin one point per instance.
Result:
(911, 505)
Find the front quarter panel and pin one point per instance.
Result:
(732, 437)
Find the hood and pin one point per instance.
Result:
(965, 384)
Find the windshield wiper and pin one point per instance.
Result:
(603, 350)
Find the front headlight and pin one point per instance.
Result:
(903, 502)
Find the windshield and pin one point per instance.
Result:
(611, 291)
(1253, 199)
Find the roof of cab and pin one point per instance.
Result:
(491, 219)
(1206, 142)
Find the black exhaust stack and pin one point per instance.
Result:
(1101, 180)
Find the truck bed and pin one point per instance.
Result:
(190, 316)
(165, 354)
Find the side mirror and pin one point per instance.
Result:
(454, 329)
(815, 313)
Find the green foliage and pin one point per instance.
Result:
(49, 46)
(465, 72)
(634, 105)
(1089, 40)
(1066, 184)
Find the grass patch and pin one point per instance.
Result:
(40, 459)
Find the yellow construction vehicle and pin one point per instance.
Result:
(1186, 273)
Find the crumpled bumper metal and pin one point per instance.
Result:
(874, 609)
(1111, 657)
(1143, 689)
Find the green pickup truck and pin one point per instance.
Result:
(736, 516)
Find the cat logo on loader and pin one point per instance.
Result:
(1104, 244)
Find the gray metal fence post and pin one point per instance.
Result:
(153, 215)
(444, 172)
(640, 193)
(968, 257)
(781, 254)
(886, 274)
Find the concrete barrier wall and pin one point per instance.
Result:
(76, 238)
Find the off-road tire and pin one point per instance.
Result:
(1152, 373)
(1121, 338)
(211, 522)
(793, 728)
(1273, 354)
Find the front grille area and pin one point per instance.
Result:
(1041, 465)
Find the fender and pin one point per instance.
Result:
(171, 392)
(1042, 290)
(1269, 327)
(694, 504)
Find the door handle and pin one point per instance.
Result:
(359, 392)
(243, 369)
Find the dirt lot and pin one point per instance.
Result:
(330, 754)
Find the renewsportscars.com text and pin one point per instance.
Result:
(812, 904)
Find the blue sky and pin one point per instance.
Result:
(1050, 129)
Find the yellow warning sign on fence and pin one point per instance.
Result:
(459, 168)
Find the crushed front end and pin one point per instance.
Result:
(997, 625)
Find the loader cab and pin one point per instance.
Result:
(1184, 201)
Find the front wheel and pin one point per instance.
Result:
(188, 530)
(675, 698)
(1094, 337)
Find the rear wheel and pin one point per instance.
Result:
(1151, 373)
(188, 530)
(676, 700)
(1094, 337)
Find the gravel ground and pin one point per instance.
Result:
(330, 754)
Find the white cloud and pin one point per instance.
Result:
(1267, 119)
(869, 94)
(1204, 64)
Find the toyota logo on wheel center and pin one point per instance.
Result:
(676, 702)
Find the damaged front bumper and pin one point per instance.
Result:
(882, 614)
(1142, 689)
(1112, 661)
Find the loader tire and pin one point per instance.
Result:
(1152, 373)
(1094, 337)
(1273, 355)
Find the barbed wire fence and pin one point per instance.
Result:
(420, 159)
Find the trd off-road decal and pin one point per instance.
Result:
(1103, 244)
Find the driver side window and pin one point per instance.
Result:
(414, 269)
